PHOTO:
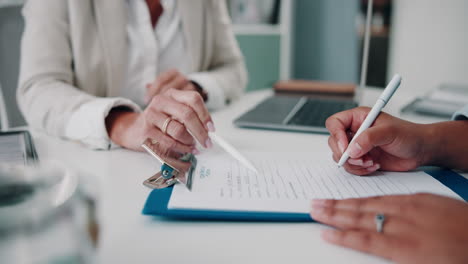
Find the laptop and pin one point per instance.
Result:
(304, 114)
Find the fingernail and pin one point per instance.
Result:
(208, 143)
(368, 163)
(354, 150)
(195, 151)
(356, 162)
(211, 127)
(148, 85)
(341, 146)
(374, 168)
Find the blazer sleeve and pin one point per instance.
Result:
(46, 94)
(226, 78)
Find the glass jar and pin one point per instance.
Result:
(45, 216)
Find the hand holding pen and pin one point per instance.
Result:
(389, 144)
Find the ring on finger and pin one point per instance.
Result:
(166, 124)
(379, 222)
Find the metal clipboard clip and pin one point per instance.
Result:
(172, 170)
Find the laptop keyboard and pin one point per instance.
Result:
(315, 112)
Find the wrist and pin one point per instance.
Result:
(434, 152)
(117, 123)
(446, 144)
(200, 90)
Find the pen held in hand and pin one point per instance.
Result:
(232, 151)
(375, 111)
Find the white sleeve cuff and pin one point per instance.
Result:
(216, 96)
(87, 124)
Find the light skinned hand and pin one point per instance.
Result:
(191, 121)
(418, 228)
(389, 144)
(171, 79)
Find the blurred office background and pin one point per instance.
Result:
(424, 40)
(304, 39)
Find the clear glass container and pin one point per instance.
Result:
(45, 216)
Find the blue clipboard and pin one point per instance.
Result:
(157, 202)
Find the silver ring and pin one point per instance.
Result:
(379, 222)
(166, 124)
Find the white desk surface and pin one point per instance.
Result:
(127, 236)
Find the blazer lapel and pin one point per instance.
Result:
(111, 17)
(191, 13)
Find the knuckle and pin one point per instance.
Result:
(400, 209)
(407, 208)
(187, 114)
(358, 204)
(196, 98)
(172, 144)
(365, 239)
(157, 99)
(358, 219)
(330, 213)
(179, 130)
(329, 122)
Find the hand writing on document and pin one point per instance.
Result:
(167, 120)
(389, 144)
(418, 228)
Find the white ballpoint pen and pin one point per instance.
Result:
(375, 111)
(232, 151)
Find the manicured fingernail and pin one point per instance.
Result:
(341, 146)
(368, 163)
(210, 126)
(374, 168)
(354, 150)
(208, 143)
(195, 151)
(356, 162)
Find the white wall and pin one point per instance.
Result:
(429, 43)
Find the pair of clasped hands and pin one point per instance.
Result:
(419, 228)
(175, 106)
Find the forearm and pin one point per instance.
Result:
(447, 144)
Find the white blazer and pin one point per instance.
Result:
(74, 52)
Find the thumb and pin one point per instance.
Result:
(369, 139)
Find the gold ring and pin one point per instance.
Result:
(166, 124)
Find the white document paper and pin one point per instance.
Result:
(288, 183)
